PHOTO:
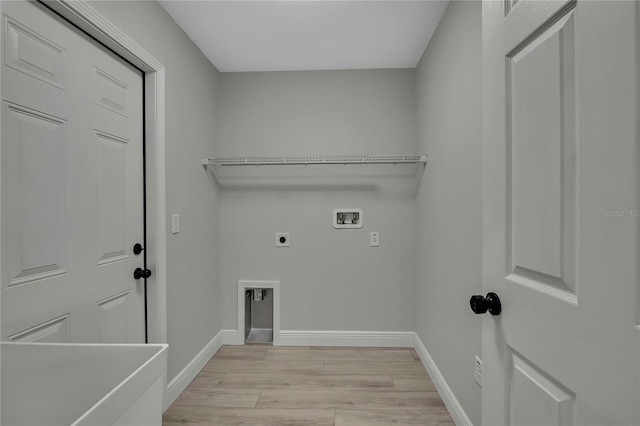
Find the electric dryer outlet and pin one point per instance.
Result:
(282, 239)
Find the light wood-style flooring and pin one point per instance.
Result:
(265, 385)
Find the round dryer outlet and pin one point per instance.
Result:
(282, 239)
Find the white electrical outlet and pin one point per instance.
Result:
(374, 239)
(282, 239)
(175, 223)
(478, 369)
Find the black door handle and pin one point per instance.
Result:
(480, 304)
(141, 273)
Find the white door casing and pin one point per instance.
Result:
(72, 184)
(560, 216)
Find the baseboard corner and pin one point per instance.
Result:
(230, 337)
(191, 370)
(456, 411)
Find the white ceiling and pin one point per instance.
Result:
(308, 35)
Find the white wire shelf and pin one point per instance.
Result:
(314, 160)
(338, 170)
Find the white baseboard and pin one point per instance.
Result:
(230, 337)
(456, 411)
(391, 339)
(346, 338)
(191, 370)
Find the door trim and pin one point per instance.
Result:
(81, 14)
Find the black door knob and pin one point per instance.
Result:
(137, 248)
(480, 304)
(141, 273)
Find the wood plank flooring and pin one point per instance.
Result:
(276, 386)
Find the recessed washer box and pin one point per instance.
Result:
(347, 218)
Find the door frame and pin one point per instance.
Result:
(82, 15)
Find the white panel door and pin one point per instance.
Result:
(561, 231)
(72, 189)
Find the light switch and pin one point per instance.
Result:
(175, 223)
(374, 239)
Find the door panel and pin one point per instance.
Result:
(32, 54)
(37, 243)
(72, 187)
(560, 154)
(536, 399)
(111, 93)
(111, 198)
(543, 150)
(114, 318)
(54, 331)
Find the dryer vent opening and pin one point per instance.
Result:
(258, 316)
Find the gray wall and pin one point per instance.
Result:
(330, 279)
(191, 132)
(449, 117)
